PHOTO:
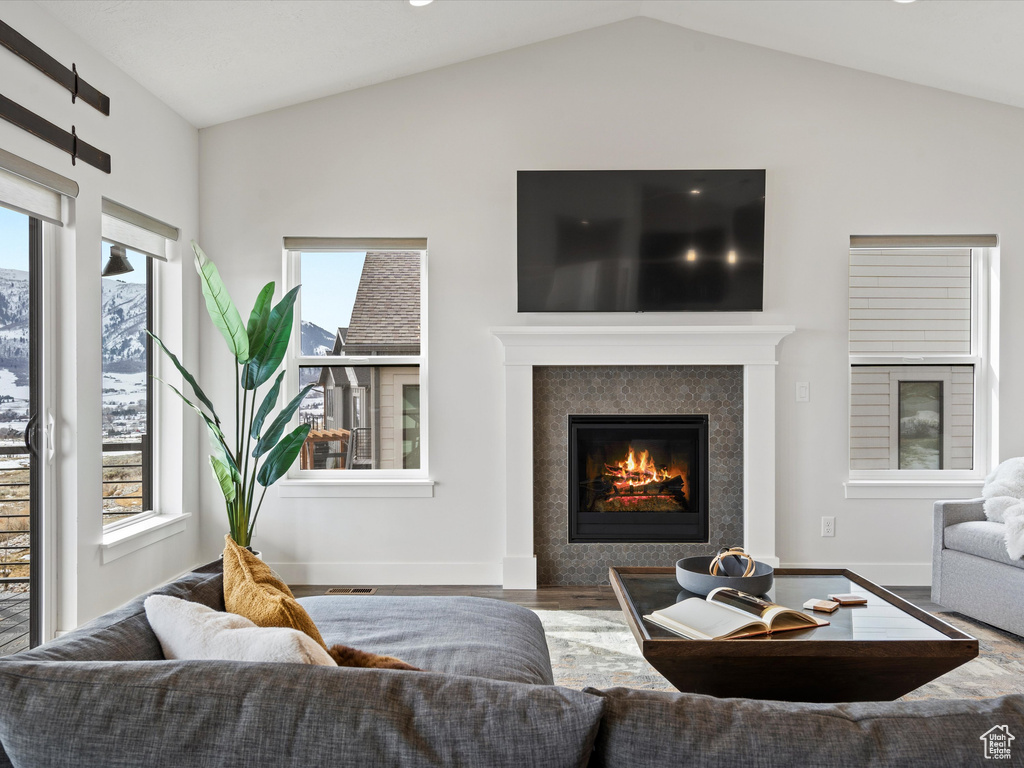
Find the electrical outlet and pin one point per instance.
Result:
(828, 526)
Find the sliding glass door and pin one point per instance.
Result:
(20, 429)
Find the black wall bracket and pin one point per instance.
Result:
(18, 44)
(58, 137)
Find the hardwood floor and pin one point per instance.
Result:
(583, 598)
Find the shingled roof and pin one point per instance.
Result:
(386, 313)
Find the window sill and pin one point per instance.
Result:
(913, 489)
(123, 541)
(390, 488)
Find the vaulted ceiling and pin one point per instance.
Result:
(219, 60)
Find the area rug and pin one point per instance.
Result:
(596, 648)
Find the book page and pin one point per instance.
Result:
(777, 617)
(700, 619)
(741, 601)
(780, 619)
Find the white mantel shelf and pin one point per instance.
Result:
(752, 346)
(642, 344)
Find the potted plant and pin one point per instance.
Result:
(260, 453)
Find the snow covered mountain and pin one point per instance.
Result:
(14, 320)
(316, 340)
(124, 326)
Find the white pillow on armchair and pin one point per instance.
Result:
(1004, 502)
(1004, 488)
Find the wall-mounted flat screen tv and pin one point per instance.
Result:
(641, 241)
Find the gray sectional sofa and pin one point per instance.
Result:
(104, 696)
(971, 570)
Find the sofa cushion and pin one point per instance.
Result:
(235, 715)
(981, 538)
(189, 630)
(252, 590)
(648, 728)
(454, 635)
(124, 633)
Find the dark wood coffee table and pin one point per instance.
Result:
(875, 652)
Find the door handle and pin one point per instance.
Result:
(29, 429)
(48, 437)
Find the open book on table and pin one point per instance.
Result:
(728, 614)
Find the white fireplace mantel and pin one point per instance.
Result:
(752, 346)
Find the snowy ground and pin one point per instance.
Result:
(123, 388)
(13, 413)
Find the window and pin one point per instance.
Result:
(917, 340)
(133, 245)
(127, 425)
(32, 206)
(360, 347)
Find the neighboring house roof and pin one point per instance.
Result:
(336, 349)
(339, 341)
(345, 376)
(386, 312)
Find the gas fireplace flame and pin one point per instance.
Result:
(636, 470)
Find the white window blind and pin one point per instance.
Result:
(33, 190)
(355, 243)
(910, 301)
(125, 226)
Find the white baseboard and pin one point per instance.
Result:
(886, 574)
(389, 573)
(519, 572)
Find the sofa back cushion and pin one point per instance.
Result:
(648, 728)
(124, 633)
(218, 713)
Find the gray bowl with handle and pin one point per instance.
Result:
(693, 576)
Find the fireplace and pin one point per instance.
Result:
(551, 372)
(638, 478)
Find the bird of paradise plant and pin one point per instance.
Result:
(259, 453)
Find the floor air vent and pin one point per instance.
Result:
(351, 591)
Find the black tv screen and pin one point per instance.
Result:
(641, 241)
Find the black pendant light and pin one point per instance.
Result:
(117, 264)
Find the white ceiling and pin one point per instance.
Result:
(219, 60)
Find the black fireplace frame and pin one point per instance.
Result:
(671, 527)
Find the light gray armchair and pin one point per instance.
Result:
(972, 573)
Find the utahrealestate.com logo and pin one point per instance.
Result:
(997, 742)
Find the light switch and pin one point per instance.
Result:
(803, 391)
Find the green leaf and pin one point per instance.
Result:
(223, 475)
(222, 310)
(215, 430)
(279, 330)
(282, 456)
(187, 377)
(265, 408)
(257, 328)
(221, 452)
(276, 429)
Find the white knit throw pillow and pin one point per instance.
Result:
(189, 630)
(1004, 503)
(1004, 488)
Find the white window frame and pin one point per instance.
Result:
(328, 483)
(152, 292)
(941, 483)
(156, 240)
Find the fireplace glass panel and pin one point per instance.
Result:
(638, 478)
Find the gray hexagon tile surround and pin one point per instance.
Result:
(559, 391)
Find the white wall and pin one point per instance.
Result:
(154, 169)
(435, 155)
